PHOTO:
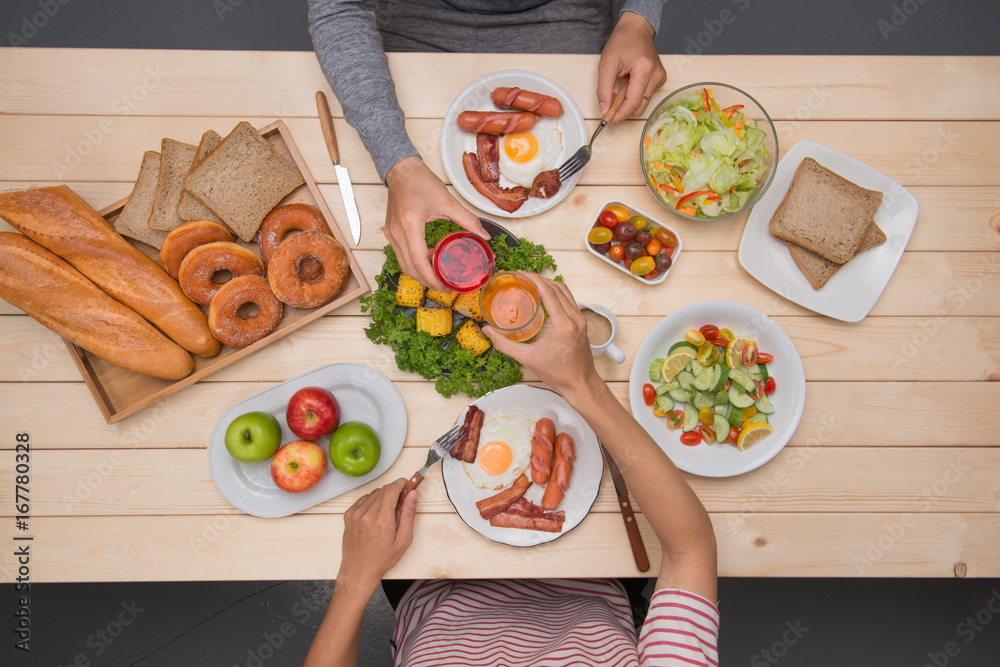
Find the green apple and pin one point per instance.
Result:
(253, 437)
(355, 449)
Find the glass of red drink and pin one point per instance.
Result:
(463, 261)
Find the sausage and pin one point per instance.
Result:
(496, 122)
(542, 450)
(526, 100)
(562, 468)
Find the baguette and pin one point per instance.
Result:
(60, 221)
(77, 310)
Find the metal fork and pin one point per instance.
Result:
(440, 448)
(579, 159)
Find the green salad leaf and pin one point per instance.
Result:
(419, 352)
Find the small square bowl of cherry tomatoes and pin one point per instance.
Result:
(634, 242)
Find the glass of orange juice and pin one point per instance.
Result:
(510, 304)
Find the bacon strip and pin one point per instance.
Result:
(500, 502)
(508, 199)
(525, 514)
(562, 469)
(467, 448)
(488, 147)
(545, 185)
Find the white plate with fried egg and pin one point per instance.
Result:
(505, 452)
(551, 141)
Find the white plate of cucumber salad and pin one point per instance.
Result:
(726, 385)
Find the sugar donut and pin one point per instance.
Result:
(229, 326)
(285, 219)
(308, 269)
(201, 264)
(182, 240)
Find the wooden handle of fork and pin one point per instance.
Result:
(411, 484)
(617, 103)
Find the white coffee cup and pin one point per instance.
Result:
(602, 330)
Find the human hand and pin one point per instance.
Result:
(375, 537)
(417, 196)
(561, 357)
(630, 51)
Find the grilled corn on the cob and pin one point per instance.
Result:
(472, 339)
(443, 298)
(468, 305)
(409, 292)
(435, 321)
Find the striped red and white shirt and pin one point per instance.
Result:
(555, 622)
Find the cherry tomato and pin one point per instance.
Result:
(709, 331)
(734, 435)
(602, 248)
(666, 238)
(729, 383)
(627, 262)
(706, 416)
(652, 274)
(707, 433)
(727, 334)
(645, 253)
(720, 341)
(749, 412)
(750, 353)
(769, 386)
(691, 438)
(653, 247)
(643, 236)
(624, 231)
(599, 235)
(620, 212)
(608, 219)
(617, 252)
(639, 222)
(758, 391)
(633, 250)
(642, 266)
(674, 419)
(764, 358)
(648, 394)
(663, 260)
(694, 337)
(670, 250)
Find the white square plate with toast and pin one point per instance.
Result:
(851, 292)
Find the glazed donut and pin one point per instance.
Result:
(229, 326)
(308, 269)
(202, 263)
(182, 240)
(285, 219)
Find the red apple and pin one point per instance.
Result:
(312, 413)
(298, 466)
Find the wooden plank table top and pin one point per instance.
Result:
(892, 472)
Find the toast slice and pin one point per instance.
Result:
(242, 179)
(189, 207)
(175, 162)
(819, 270)
(825, 213)
(132, 221)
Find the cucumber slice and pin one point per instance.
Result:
(664, 404)
(735, 416)
(721, 427)
(763, 373)
(664, 388)
(719, 409)
(764, 405)
(685, 379)
(742, 379)
(738, 398)
(754, 371)
(720, 383)
(708, 379)
(655, 370)
(759, 418)
(698, 370)
(703, 400)
(680, 394)
(680, 345)
(722, 397)
(690, 417)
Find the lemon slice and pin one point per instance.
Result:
(752, 434)
(734, 352)
(675, 363)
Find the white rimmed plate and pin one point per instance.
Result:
(723, 460)
(476, 97)
(364, 395)
(852, 292)
(585, 482)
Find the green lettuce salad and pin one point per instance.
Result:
(703, 160)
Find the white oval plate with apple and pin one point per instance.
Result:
(363, 394)
(584, 484)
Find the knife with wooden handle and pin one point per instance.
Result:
(343, 178)
(634, 537)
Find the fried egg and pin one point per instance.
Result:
(523, 155)
(504, 452)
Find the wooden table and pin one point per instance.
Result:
(893, 470)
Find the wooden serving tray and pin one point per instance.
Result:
(120, 393)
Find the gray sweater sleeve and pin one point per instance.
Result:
(651, 10)
(350, 52)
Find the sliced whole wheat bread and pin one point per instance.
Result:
(825, 213)
(132, 221)
(175, 162)
(819, 270)
(242, 179)
(189, 207)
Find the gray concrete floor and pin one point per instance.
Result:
(812, 622)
